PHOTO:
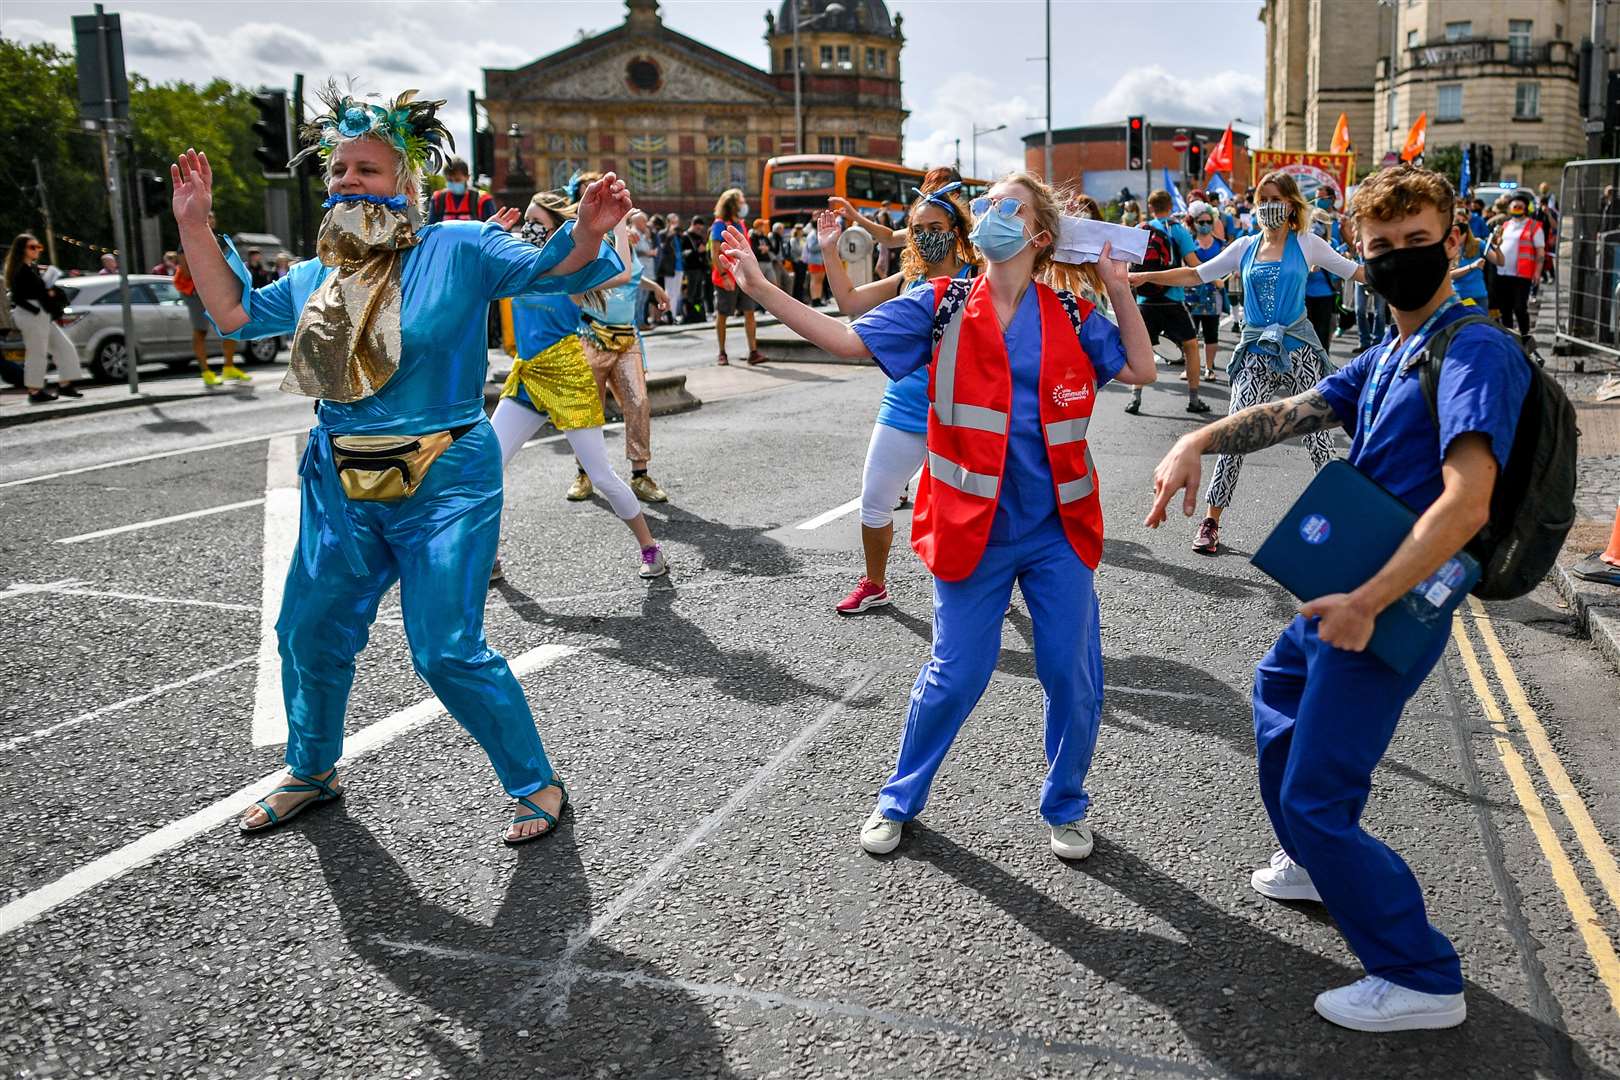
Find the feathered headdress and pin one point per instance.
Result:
(408, 125)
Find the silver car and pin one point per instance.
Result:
(94, 323)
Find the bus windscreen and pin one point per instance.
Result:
(802, 180)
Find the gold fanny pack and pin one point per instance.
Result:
(382, 467)
(609, 337)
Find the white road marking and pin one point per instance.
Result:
(139, 852)
(117, 706)
(553, 438)
(153, 457)
(72, 589)
(155, 522)
(280, 535)
(568, 970)
(829, 516)
(22, 588)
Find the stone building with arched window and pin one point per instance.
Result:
(681, 120)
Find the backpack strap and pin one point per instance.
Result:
(1433, 358)
(950, 306)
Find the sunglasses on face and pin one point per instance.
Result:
(1204, 221)
(1006, 206)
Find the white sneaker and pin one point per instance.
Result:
(653, 563)
(1375, 1004)
(1072, 841)
(880, 835)
(1284, 879)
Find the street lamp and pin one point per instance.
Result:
(798, 67)
(514, 142)
(977, 131)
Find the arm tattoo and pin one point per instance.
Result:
(1260, 426)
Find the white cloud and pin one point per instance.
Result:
(961, 103)
(58, 33)
(1213, 99)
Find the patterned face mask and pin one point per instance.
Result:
(535, 233)
(1273, 215)
(932, 246)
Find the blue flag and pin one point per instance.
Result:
(1465, 179)
(1175, 192)
(1220, 187)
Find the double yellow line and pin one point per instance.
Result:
(1530, 729)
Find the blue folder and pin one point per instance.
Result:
(1338, 534)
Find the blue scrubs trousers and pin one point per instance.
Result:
(1323, 718)
(968, 615)
(439, 544)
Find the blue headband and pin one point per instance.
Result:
(937, 197)
(393, 202)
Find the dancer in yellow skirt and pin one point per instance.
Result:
(553, 378)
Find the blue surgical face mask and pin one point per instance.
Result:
(1205, 228)
(457, 187)
(1001, 236)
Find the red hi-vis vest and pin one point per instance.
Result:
(970, 394)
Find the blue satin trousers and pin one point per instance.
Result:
(968, 615)
(439, 544)
(1323, 718)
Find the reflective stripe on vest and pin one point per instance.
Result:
(1074, 490)
(1060, 432)
(975, 417)
(964, 480)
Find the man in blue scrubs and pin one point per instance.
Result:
(1325, 709)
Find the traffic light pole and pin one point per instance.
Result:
(115, 196)
(300, 178)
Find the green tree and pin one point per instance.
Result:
(1446, 160)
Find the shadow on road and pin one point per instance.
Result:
(632, 1024)
(1242, 996)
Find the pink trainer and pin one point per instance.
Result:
(863, 597)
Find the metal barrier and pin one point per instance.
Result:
(1587, 300)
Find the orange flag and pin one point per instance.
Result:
(1220, 158)
(1415, 138)
(1341, 135)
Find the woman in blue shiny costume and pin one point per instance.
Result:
(421, 376)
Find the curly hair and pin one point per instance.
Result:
(1400, 191)
(729, 206)
(912, 265)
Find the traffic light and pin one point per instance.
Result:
(483, 157)
(272, 128)
(1484, 163)
(1135, 142)
(1195, 158)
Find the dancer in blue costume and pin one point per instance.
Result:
(937, 245)
(402, 474)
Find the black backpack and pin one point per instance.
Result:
(1161, 254)
(1533, 506)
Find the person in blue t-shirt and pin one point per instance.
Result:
(1468, 274)
(937, 245)
(1325, 709)
(1165, 310)
(1204, 301)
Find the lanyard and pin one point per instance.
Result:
(1389, 361)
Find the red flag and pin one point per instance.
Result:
(1416, 138)
(1341, 135)
(1220, 158)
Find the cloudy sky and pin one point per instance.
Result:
(966, 62)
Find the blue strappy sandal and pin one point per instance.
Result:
(303, 785)
(537, 814)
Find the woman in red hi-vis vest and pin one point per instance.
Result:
(1009, 493)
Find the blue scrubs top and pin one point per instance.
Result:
(905, 402)
(900, 335)
(448, 280)
(1482, 388)
(1471, 286)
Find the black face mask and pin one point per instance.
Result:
(1409, 277)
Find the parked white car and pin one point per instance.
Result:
(94, 323)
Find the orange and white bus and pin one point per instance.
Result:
(798, 186)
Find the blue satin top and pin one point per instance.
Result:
(539, 322)
(448, 280)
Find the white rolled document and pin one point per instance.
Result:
(1081, 240)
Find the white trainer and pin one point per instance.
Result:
(1284, 879)
(1374, 1004)
(1072, 841)
(881, 835)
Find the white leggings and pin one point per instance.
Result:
(892, 458)
(45, 341)
(516, 424)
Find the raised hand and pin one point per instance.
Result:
(507, 217)
(827, 227)
(1111, 270)
(737, 258)
(604, 204)
(193, 182)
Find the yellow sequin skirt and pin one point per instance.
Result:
(558, 382)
